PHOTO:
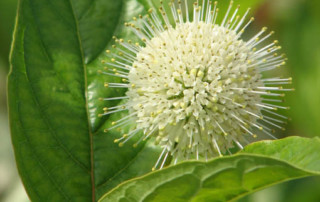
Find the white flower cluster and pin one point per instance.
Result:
(196, 85)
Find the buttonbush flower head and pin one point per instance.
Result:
(193, 83)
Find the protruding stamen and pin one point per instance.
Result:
(242, 20)
(160, 157)
(216, 146)
(227, 14)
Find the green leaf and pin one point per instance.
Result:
(259, 165)
(61, 150)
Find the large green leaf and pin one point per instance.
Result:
(227, 178)
(61, 150)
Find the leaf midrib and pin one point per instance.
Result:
(86, 102)
(90, 129)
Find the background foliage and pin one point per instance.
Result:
(296, 24)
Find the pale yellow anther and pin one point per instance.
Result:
(182, 105)
(193, 72)
(200, 74)
(215, 108)
(214, 99)
(140, 90)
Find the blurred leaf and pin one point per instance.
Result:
(222, 5)
(259, 165)
(303, 190)
(60, 147)
(299, 32)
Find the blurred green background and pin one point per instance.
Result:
(297, 25)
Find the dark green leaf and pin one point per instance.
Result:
(60, 147)
(259, 165)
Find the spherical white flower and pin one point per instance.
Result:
(195, 85)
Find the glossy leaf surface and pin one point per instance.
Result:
(259, 165)
(54, 88)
